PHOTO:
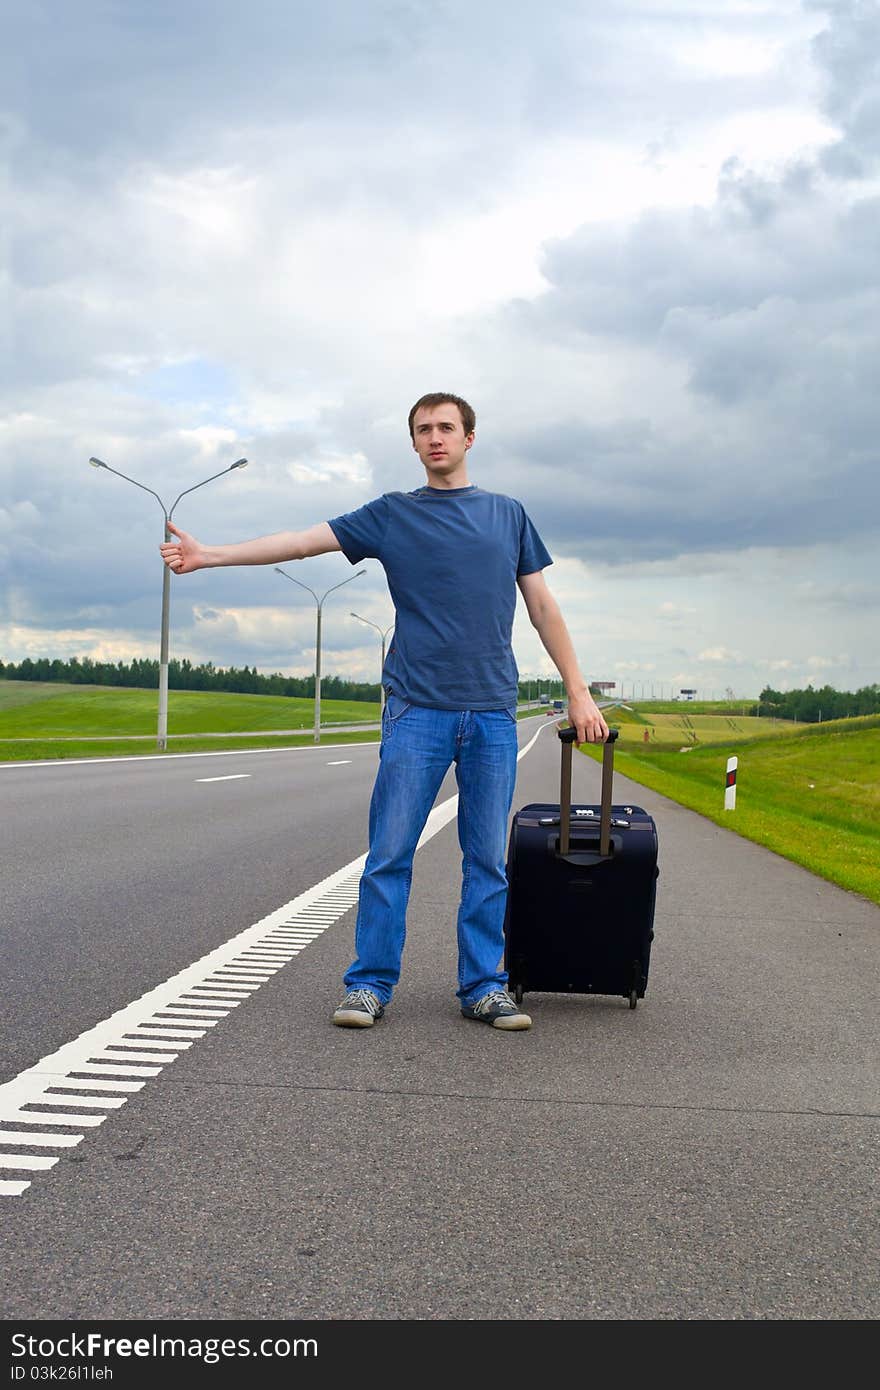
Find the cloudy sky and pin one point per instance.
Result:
(642, 239)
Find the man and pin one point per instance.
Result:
(453, 556)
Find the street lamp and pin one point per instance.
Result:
(162, 734)
(320, 604)
(383, 635)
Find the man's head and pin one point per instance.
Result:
(442, 430)
(435, 398)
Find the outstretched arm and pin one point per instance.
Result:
(187, 554)
(546, 618)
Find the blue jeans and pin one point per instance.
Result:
(418, 746)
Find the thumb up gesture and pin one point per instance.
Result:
(184, 554)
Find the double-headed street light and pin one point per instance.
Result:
(320, 605)
(162, 735)
(383, 636)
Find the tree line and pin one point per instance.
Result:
(808, 706)
(143, 673)
(811, 706)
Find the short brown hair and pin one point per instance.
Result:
(468, 418)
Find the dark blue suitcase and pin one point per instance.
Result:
(582, 884)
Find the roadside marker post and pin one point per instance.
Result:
(730, 785)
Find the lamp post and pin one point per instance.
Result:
(383, 636)
(320, 604)
(162, 733)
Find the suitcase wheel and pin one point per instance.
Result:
(633, 998)
(518, 994)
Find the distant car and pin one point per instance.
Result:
(543, 699)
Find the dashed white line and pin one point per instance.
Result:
(230, 777)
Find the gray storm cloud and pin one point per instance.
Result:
(209, 216)
(768, 300)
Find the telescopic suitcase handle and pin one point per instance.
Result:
(567, 737)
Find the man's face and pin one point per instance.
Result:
(439, 438)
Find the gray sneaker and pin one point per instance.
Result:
(498, 1010)
(359, 1009)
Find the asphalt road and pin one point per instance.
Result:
(710, 1155)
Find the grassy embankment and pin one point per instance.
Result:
(47, 720)
(811, 794)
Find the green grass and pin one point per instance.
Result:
(811, 795)
(47, 719)
(44, 719)
(46, 709)
(679, 727)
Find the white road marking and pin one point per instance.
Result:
(156, 1033)
(26, 1161)
(230, 777)
(89, 1102)
(110, 1050)
(52, 1117)
(62, 1083)
(340, 762)
(189, 1010)
(107, 1069)
(168, 757)
(41, 1141)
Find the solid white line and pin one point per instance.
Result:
(168, 757)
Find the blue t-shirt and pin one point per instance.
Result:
(452, 558)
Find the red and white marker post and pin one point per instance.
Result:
(730, 785)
